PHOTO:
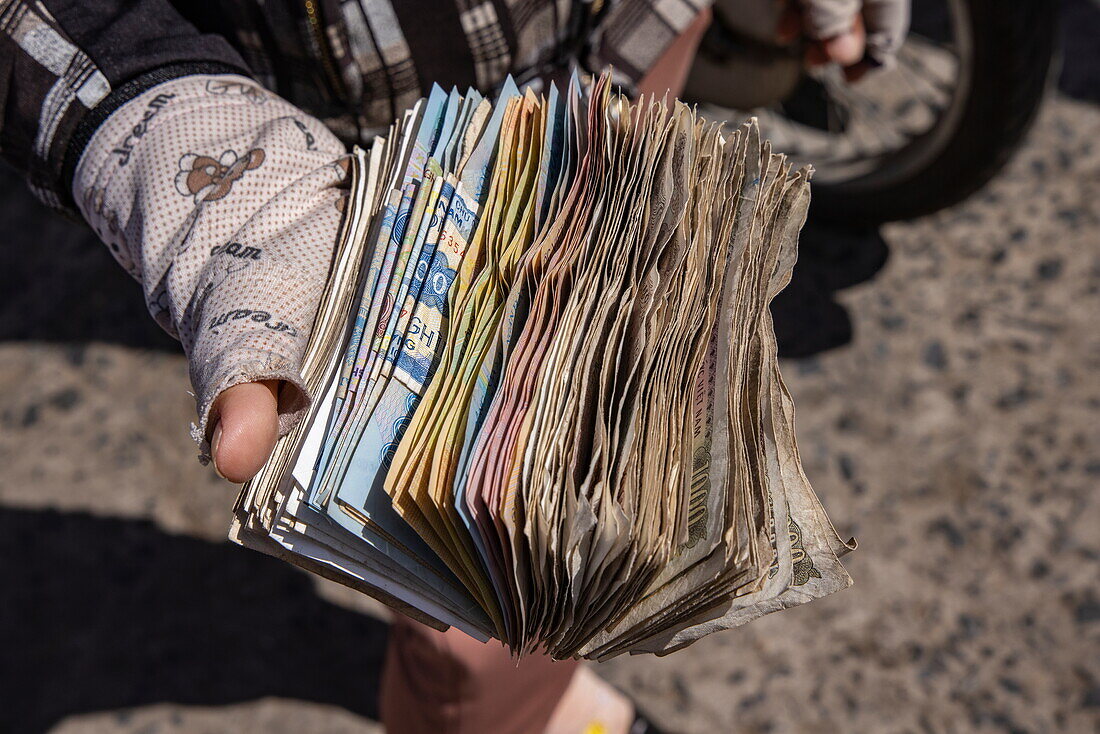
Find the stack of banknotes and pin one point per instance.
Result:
(547, 402)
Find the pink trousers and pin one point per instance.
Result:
(449, 683)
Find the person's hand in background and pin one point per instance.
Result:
(223, 200)
(858, 35)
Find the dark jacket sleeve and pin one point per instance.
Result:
(67, 64)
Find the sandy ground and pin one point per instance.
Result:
(956, 439)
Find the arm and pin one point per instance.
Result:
(218, 196)
(65, 66)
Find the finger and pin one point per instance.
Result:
(247, 425)
(847, 48)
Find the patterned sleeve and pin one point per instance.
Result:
(66, 64)
(634, 33)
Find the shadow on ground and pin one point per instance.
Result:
(59, 284)
(103, 614)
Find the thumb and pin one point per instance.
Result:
(246, 428)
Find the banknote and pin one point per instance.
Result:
(547, 405)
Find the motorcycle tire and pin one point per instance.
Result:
(1013, 48)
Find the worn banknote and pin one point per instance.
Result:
(547, 406)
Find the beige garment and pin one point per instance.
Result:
(222, 200)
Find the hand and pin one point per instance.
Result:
(224, 201)
(858, 35)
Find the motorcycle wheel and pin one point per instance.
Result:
(932, 130)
